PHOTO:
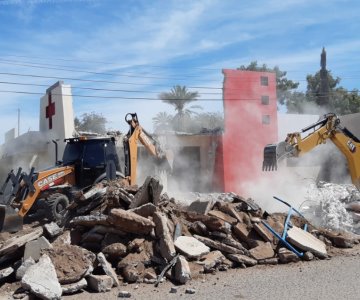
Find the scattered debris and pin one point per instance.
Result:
(136, 234)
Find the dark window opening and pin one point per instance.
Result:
(264, 80)
(265, 100)
(266, 119)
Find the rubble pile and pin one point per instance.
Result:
(119, 233)
(337, 206)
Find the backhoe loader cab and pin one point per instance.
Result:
(94, 158)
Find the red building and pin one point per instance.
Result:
(250, 109)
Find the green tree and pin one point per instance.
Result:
(91, 122)
(179, 97)
(284, 86)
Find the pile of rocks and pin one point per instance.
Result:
(120, 233)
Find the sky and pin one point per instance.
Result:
(118, 55)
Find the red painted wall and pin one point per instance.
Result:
(246, 132)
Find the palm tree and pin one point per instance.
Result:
(179, 97)
(162, 121)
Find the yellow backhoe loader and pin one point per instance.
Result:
(86, 161)
(327, 128)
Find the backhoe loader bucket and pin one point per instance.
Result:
(10, 221)
(270, 158)
(273, 153)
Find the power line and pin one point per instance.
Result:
(93, 89)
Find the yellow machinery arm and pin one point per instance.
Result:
(326, 128)
(135, 134)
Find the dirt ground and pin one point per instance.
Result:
(334, 278)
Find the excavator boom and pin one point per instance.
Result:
(328, 127)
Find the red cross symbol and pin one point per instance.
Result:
(50, 111)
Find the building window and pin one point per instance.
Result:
(265, 100)
(264, 80)
(266, 119)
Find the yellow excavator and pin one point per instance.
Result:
(327, 128)
(87, 160)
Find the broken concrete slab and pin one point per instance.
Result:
(20, 272)
(149, 192)
(90, 220)
(265, 234)
(182, 271)
(212, 223)
(100, 283)
(229, 208)
(242, 259)
(146, 210)
(107, 268)
(191, 247)
(268, 261)
(41, 279)
(18, 241)
(306, 241)
(130, 222)
(33, 248)
(262, 252)
(233, 243)
(241, 231)
(166, 244)
(218, 245)
(223, 216)
(211, 260)
(6, 272)
(199, 228)
(74, 287)
(201, 207)
(286, 256)
(52, 229)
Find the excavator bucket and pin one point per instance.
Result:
(10, 221)
(273, 153)
(270, 159)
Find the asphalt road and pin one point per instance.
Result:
(337, 278)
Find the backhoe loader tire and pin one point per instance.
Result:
(56, 207)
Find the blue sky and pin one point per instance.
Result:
(145, 47)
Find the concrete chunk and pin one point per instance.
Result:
(6, 272)
(41, 279)
(201, 207)
(107, 268)
(167, 248)
(265, 234)
(52, 229)
(306, 241)
(191, 247)
(90, 220)
(130, 222)
(223, 216)
(262, 252)
(182, 271)
(211, 260)
(100, 283)
(33, 248)
(241, 232)
(74, 287)
(16, 242)
(218, 245)
(145, 210)
(242, 259)
(20, 272)
(287, 256)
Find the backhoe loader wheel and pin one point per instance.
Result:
(56, 207)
